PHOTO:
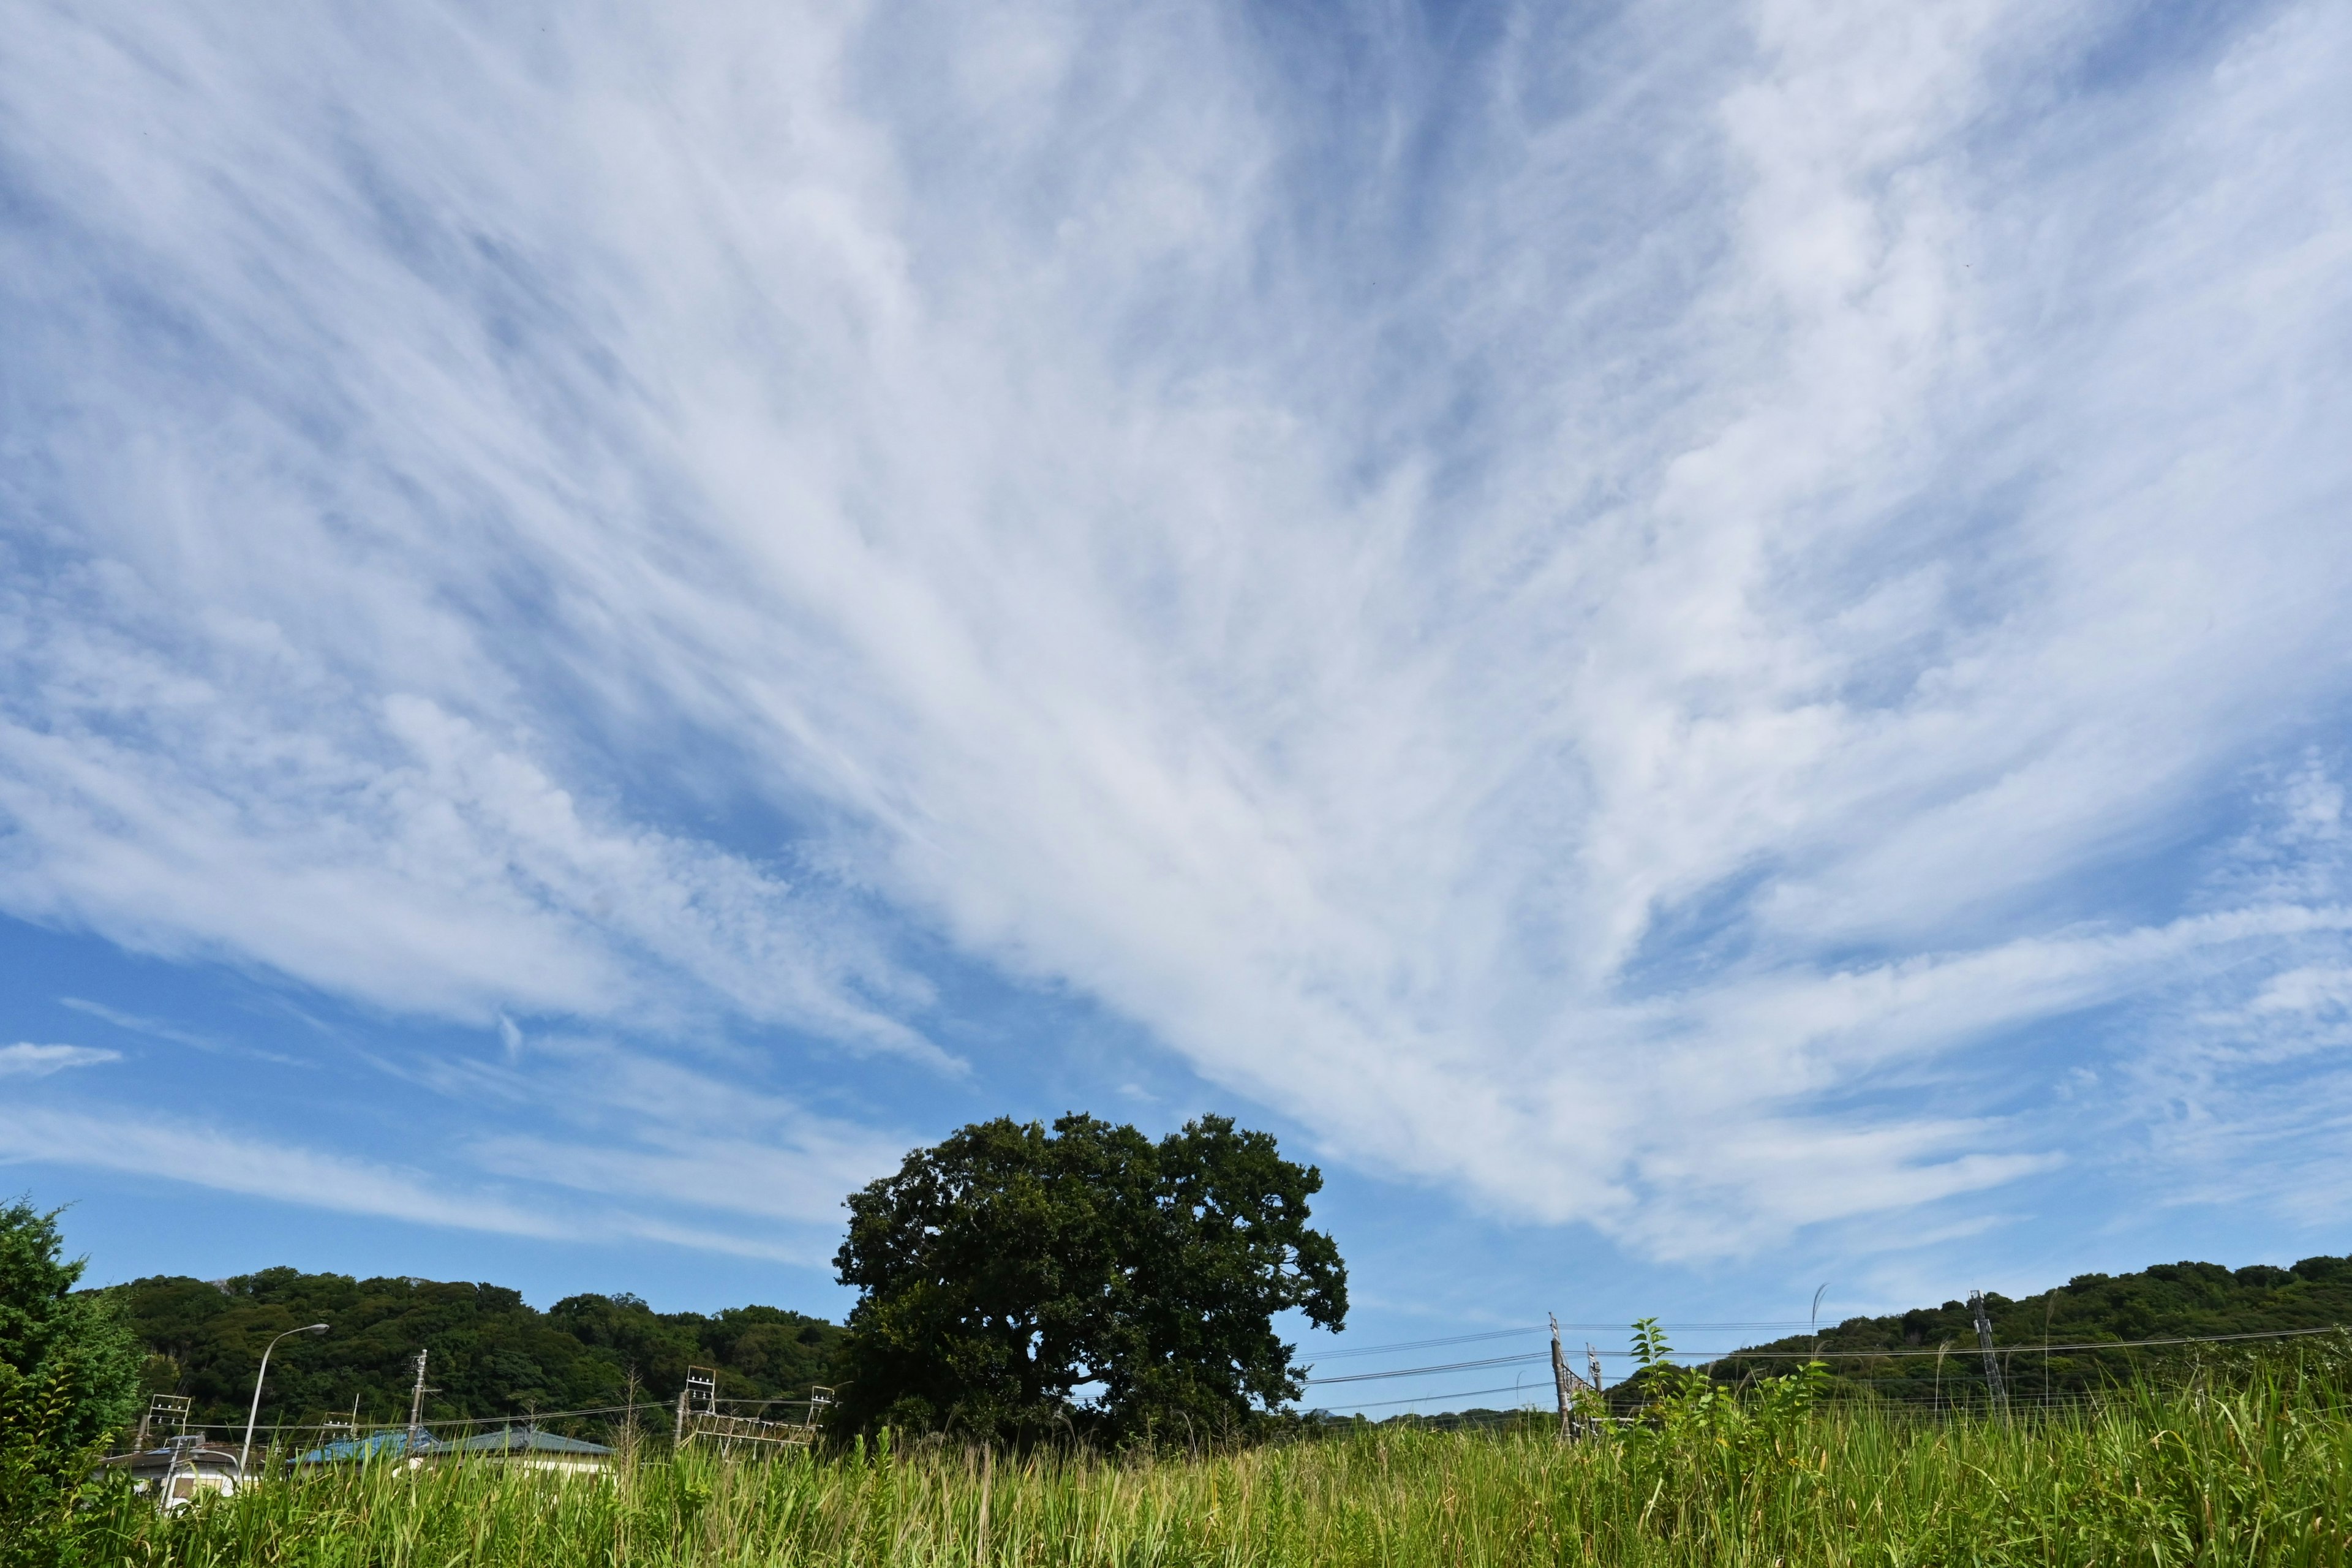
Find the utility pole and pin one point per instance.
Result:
(1984, 1343)
(1566, 1384)
(698, 1399)
(1560, 1379)
(417, 1411)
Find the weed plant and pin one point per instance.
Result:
(2251, 1467)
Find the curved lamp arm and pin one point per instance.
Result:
(245, 1453)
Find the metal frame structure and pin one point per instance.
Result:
(699, 1417)
(162, 1409)
(1984, 1345)
(1573, 1421)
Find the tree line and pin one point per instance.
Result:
(1889, 1355)
(490, 1354)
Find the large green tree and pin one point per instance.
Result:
(1021, 1284)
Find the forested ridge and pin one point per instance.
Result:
(2165, 1301)
(492, 1354)
(1930, 1354)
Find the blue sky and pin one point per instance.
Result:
(1697, 646)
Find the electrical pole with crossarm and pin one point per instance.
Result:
(1560, 1378)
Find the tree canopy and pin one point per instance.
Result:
(1022, 1284)
(51, 1331)
(69, 1377)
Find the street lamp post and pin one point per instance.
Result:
(255, 1415)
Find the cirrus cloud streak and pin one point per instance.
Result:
(1578, 615)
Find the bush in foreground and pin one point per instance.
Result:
(69, 1377)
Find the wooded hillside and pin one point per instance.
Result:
(492, 1354)
(2168, 1301)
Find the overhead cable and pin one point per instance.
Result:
(1533, 1329)
(1827, 1354)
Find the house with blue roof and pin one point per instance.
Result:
(519, 1447)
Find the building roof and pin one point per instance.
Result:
(505, 1440)
(198, 1455)
(522, 1440)
(375, 1445)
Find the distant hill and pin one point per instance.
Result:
(491, 1354)
(2168, 1300)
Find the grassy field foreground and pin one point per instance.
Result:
(2257, 1473)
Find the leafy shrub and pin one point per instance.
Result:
(69, 1376)
(44, 1469)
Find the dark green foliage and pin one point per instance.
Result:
(2168, 1301)
(69, 1377)
(491, 1354)
(1009, 1268)
(34, 1284)
(46, 1325)
(41, 1470)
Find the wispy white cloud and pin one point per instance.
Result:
(1578, 627)
(448, 877)
(448, 1196)
(163, 1029)
(26, 1061)
(568, 1114)
(229, 1163)
(642, 1128)
(158, 1028)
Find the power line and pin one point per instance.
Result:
(2036, 1401)
(1790, 1323)
(446, 1422)
(1537, 1329)
(1824, 1355)
(1421, 1371)
(1427, 1345)
(1419, 1399)
(1518, 1360)
(2058, 1401)
(2007, 1350)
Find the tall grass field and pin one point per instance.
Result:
(2253, 1469)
